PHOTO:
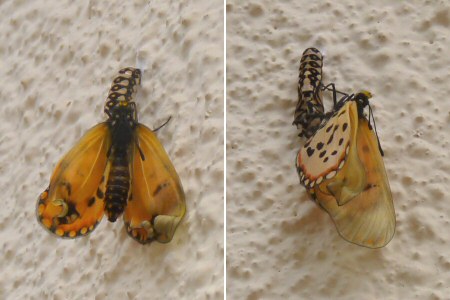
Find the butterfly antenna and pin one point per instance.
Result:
(375, 127)
(135, 116)
(108, 153)
(141, 153)
(164, 124)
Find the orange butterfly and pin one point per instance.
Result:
(342, 168)
(117, 167)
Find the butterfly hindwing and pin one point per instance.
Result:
(325, 153)
(73, 203)
(157, 203)
(351, 185)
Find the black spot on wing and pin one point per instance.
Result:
(330, 139)
(100, 194)
(344, 127)
(91, 201)
(369, 186)
(72, 208)
(160, 187)
(307, 143)
(341, 141)
(319, 146)
(310, 151)
(69, 188)
(322, 154)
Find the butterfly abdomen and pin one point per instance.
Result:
(118, 184)
(309, 111)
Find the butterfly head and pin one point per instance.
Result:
(363, 97)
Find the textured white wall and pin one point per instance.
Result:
(280, 245)
(57, 62)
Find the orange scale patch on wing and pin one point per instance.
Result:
(157, 202)
(73, 203)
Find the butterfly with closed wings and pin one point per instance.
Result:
(342, 168)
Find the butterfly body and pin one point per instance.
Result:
(112, 170)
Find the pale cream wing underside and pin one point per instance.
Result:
(324, 153)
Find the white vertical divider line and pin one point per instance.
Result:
(225, 149)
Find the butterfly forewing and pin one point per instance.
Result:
(73, 203)
(157, 202)
(325, 152)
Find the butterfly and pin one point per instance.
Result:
(118, 167)
(309, 111)
(342, 168)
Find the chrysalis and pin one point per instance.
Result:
(309, 111)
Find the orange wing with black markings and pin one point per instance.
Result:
(73, 203)
(157, 202)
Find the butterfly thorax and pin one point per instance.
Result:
(122, 124)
